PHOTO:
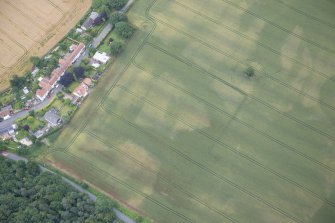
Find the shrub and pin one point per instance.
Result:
(250, 71)
(116, 48)
(124, 30)
(66, 79)
(117, 4)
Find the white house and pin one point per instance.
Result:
(101, 57)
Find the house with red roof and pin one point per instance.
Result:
(47, 84)
(82, 90)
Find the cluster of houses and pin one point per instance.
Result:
(48, 84)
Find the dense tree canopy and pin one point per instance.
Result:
(116, 48)
(116, 17)
(124, 29)
(79, 72)
(117, 4)
(111, 4)
(27, 195)
(36, 61)
(17, 83)
(66, 79)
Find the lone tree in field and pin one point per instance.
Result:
(124, 29)
(250, 71)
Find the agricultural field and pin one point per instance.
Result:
(32, 28)
(179, 133)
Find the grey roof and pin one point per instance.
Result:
(94, 15)
(52, 117)
(8, 107)
(89, 21)
(87, 24)
(6, 129)
(102, 35)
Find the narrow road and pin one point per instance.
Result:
(123, 217)
(126, 7)
(77, 187)
(13, 156)
(7, 123)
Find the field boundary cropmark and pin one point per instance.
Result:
(57, 7)
(17, 27)
(306, 14)
(203, 167)
(224, 145)
(25, 50)
(204, 71)
(106, 93)
(270, 76)
(130, 187)
(26, 16)
(248, 38)
(165, 179)
(101, 105)
(222, 111)
(278, 26)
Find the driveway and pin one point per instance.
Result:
(6, 124)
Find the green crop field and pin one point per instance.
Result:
(178, 132)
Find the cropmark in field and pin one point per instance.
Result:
(218, 111)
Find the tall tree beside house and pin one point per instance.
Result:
(79, 72)
(66, 79)
(124, 29)
(37, 62)
(116, 17)
(17, 83)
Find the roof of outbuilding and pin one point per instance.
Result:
(52, 117)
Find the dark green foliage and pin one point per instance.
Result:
(32, 113)
(117, 4)
(17, 83)
(63, 46)
(37, 62)
(66, 79)
(124, 30)
(116, 17)
(97, 4)
(250, 71)
(27, 195)
(100, 5)
(79, 72)
(116, 48)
